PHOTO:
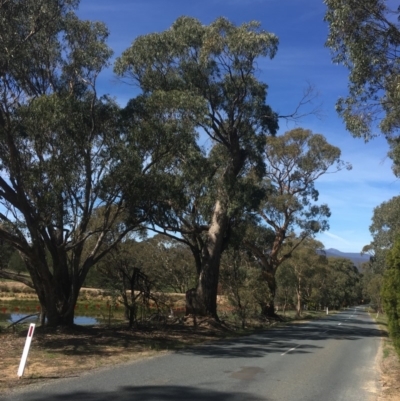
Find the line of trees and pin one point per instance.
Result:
(81, 176)
(308, 279)
(381, 274)
(365, 37)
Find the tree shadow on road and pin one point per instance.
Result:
(303, 338)
(149, 393)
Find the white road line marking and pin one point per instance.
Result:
(291, 349)
(339, 324)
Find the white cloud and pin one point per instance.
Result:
(336, 237)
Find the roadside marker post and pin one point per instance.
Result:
(26, 350)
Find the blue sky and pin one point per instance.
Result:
(301, 59)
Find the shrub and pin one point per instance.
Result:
(391, 293)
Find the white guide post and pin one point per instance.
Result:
(26, 350)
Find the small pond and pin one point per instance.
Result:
(86, 313)
(14, 317)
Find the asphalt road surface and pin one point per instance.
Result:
(329, 359)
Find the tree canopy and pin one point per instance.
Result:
(61, 148)
(294, 161)
(79, 173)
(210, 69)
(364, 36)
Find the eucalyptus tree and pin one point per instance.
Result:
(211, 70)
(285, 295)
(121, 273)
(294, 162)
(171, 266)
(344, 283)
(384, 229)
(167, 263)
(61, 148)
(304, 264)
(372, 286)
(364, 36)
(240, 283)
(385, 226)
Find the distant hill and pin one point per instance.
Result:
(356, 258)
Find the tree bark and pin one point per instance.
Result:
(299, 296)
(57, 299)
(59, 308)
(202, 301)
(298, 306)
(268, 305)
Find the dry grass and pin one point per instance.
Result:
(389, 362)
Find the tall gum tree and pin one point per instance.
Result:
(213, 69)
(56, 137)
(61, 148)
(294, 162)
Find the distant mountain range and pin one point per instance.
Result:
(356, 258)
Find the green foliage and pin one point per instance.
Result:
(294, 161)
(372, 288)
(79, 174)
(391, 293)
(365, 37)
(6, 253)
(204, 71)
(384, 230)
(211, 72)
(386, 223)
(309, 278)
(300, 272)
(61, 149)
(169, 263)
(16, 263)
(285, 296)
(343, 286)
(139, 271)
(121, 273)
(240, 281)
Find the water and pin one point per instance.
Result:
(14, 317)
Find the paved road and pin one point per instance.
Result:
(330, 359)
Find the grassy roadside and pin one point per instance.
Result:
(389, 362)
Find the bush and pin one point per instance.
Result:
(391, 293)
